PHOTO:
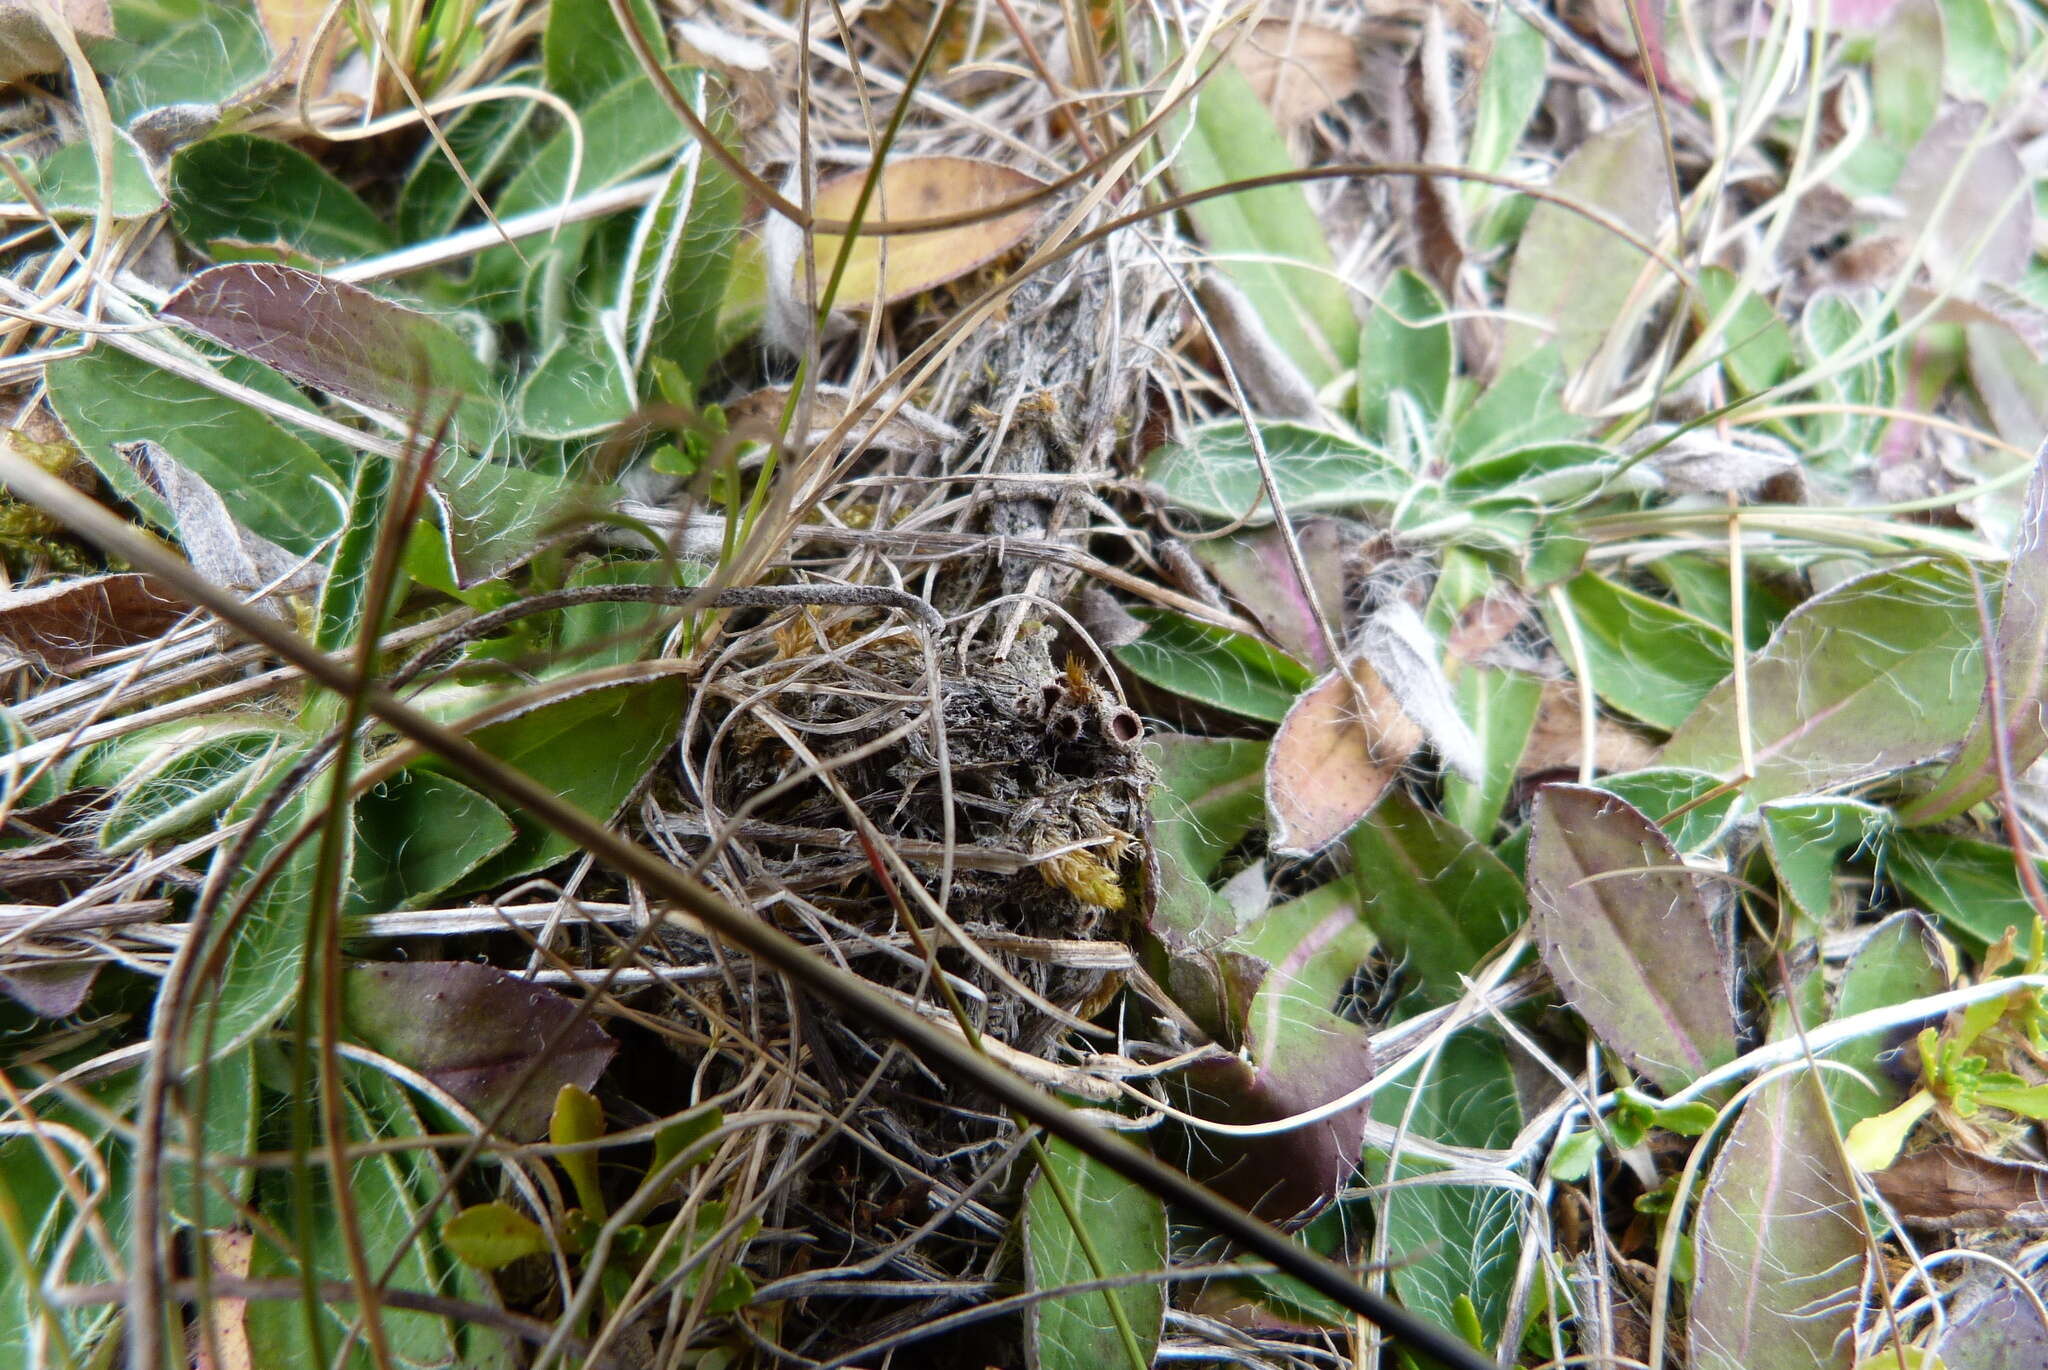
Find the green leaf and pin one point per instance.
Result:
(576, 390)
(1214, 666)
(189, 772)
(1661, 791)
(68, 180)
(1509, 93)
(628, 131)
(1803, 837)
(1438, 900)
(201, 63)
(1905, 73)
(1211, 792)
(1876, 674)
(488, 137)
(1522, 408)
(1571, 1160)
(417, 834)
(585, 53)
(1452, 1241)
(1649, 659)
(1780, 1245)
(1979, 61)
(579, 1117)
(1215, 471)
(678, 265)
(491, 1236)
(1407, 349)
(1540, 473)
(275, 485)
(1902, 959)
(267, 944)
(1702, 590)
(1755, 344)
(601, 634)
(239, 191)
(1572, 273)
(2020, 648)
(1500, 706)
(228, 1129)
(1257, 235)
(680, 1134)
(493, 516)
(1125, 1226)
(339, 620)
(592, 748)
(1624, 931)
(1971, 887)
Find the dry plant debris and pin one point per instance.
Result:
(1432, 612)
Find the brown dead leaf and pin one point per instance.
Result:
(231, 1252)
(1555, 742)
(1298, 70)
(895, 267)
(290, 25)
(1337, 751)
(26, 45)
(62, 623)
(1948, 1187)
(755, 418)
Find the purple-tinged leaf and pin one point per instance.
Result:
(2020, 651)
(1252, 565)
(1879, 673)
(344, 340)
(490, 1038)
(1985, 231)
(2002, 1331)
(1779, 1246)
(1284, 979)
(1626, 935)
(51, 991)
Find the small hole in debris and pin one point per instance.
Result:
(1125, 726)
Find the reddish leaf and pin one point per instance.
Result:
(1337, 751)
(2000, 1332)
(61, 623)
(1779, 1244)
(341, 339)
(1253, 566)
(478, 1032)
(1986, 229)
(1625, 934)
(54, 991)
